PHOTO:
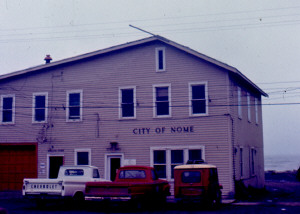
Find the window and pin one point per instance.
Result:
(191, 177)
(96, 173)
(239, 92)
(241, 163)
(162, 100)
(7, 109)
(176, 159)
(249, 107)
(132, 174)
(74, 172)
(256, 110)
(252, 161)
(82, 157)
(127, 102)
(40, 107)
(160, 59)
(74, 105)
(198, 99)
(165, 159)
(159, 163)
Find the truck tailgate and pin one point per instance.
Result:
(108, 189)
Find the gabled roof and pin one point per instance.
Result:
(132, 44)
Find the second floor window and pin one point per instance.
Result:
(40, 105)
(74, 105)
(162, 101)
(127, 102)
(198, 99)
(8, 109)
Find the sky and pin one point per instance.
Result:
(261, 38)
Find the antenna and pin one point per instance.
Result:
(142, 30)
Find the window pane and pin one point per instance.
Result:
(160, 60)
(132, 174)
(162, 94)
(159, 157)
(39, 114)
(160, 170)
(74, 113)
(96, 173)
(177, 156)
(191, 177)
(162, 108)
(7, 103)
(74, 172)
(82, 158)
(127, 96)
(74, 99)
(40, 102)
(7, 116)
(127, 110)
(198, 92)
(199, 106)
(195, 154)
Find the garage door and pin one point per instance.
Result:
(16, 163)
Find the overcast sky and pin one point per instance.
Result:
(261, 38)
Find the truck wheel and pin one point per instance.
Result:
(79, 196)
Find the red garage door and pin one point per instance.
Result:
(17, 162)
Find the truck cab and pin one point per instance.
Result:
(197, 181)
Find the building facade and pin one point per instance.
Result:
(148, 102)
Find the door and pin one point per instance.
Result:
(113, 163)
(54, 163)
(17, 161)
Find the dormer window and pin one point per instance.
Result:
(160, 59)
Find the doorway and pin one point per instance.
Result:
(113, 163)
(54, 163)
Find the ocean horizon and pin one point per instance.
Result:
(281, 162)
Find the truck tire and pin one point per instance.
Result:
(78, 197)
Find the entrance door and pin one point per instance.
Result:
(113, 164)
(54, 163)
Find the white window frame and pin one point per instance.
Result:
(191, 84)
(249, 106)
(239, 102)
(168, 150)
(256, 111)
(80, 107)
(13, 109)
(169, 100)
(120, 102)
(157, 50)
(83, 150)
(33, 106)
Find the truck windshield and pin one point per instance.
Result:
(74, 172)
(191, 177)
(132, 174)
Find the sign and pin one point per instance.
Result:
(163, 130)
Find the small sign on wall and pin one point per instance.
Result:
(129, 162)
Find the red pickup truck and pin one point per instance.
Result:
(131, 182)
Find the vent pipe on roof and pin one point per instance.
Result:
(48, 59)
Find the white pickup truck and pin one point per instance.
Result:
(70, 183)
